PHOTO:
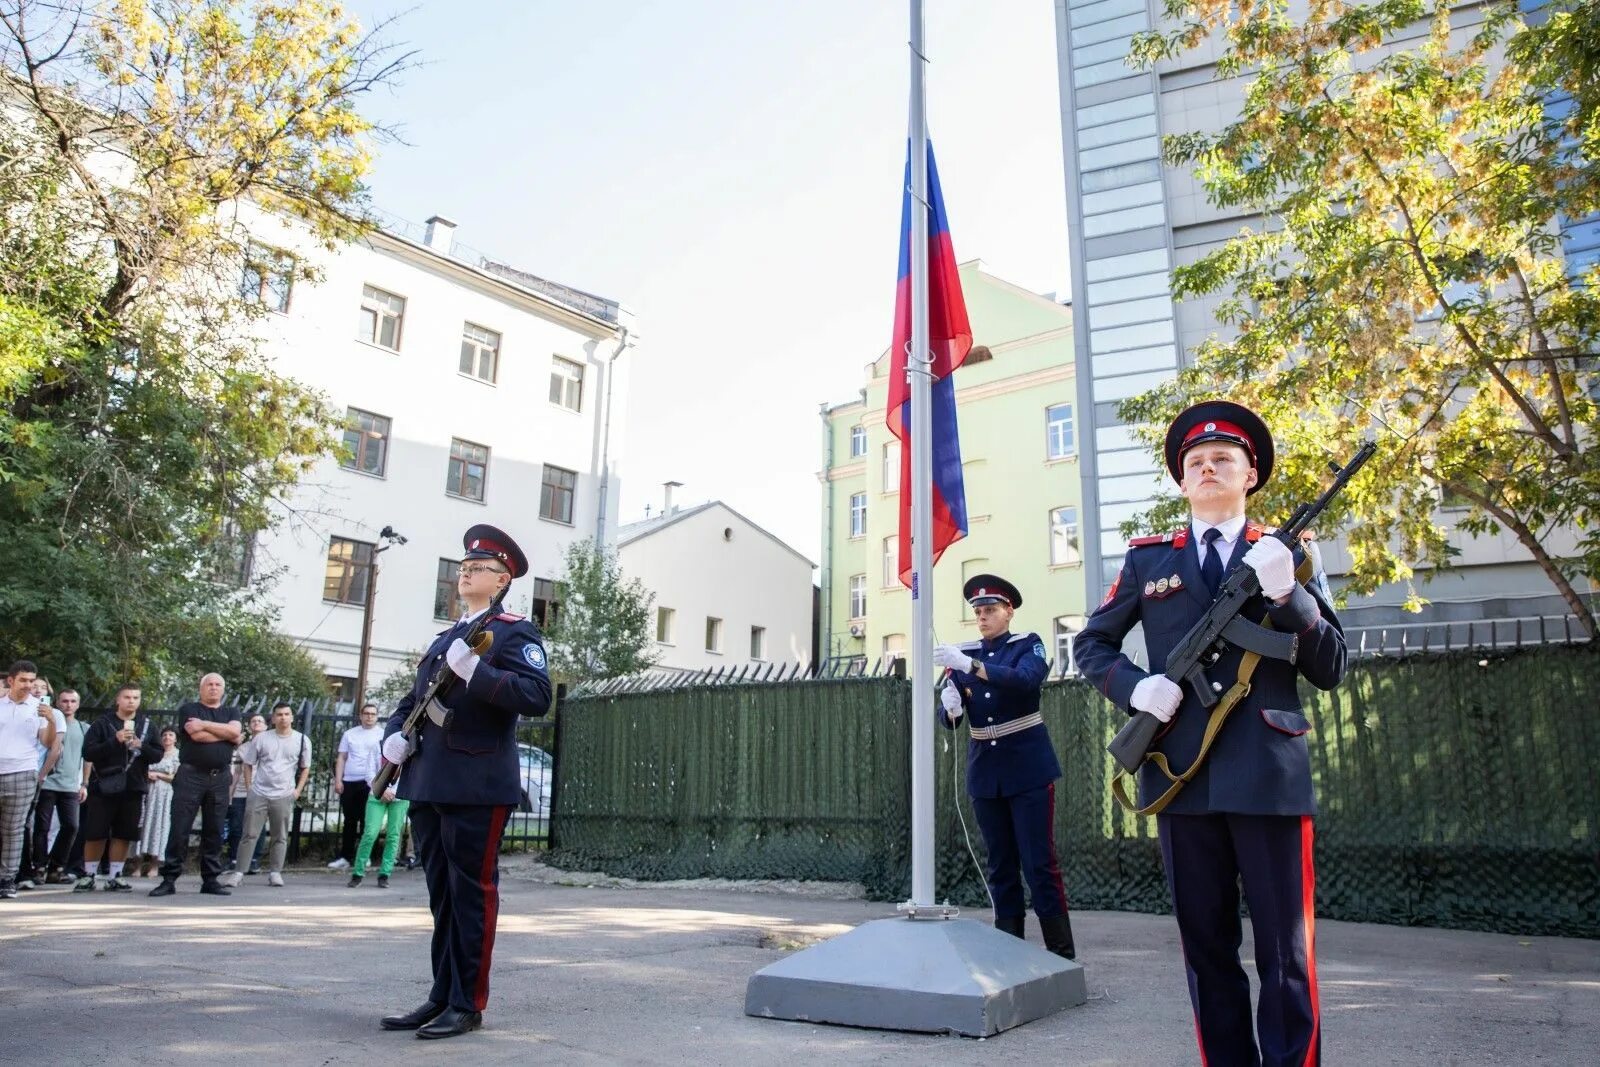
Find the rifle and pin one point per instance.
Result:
(479, 640)
(1222, 625)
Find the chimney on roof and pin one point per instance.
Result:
(441, 234)
(666, 507)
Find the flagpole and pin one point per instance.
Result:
(920, 381)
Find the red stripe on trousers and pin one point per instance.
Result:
(1050, 830)
(491, 903)
(1308, 906)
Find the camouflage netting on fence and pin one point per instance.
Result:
(1457, 790)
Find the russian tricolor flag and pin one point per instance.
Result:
(949, 340)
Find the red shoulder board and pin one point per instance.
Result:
(1153, 539)
(506, 616)
(1111, 594)
(1253, 531)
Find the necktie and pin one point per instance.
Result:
(1211, 566)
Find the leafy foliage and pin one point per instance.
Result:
(143, 437)
(602, 628)
(1409, 278)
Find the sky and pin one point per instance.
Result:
(730, 171)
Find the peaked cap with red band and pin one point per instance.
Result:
(990, 589)
(1220, 420)
(490, 542)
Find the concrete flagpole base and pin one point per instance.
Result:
(934, 976)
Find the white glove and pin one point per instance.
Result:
(397, 748)
(950, 697)
(951, 658)
(1159, 695)
(1274, 566)
(462, 659)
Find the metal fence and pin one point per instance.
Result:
(1456, 789)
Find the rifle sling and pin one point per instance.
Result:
(1219, 716)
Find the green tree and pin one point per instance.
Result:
(1407, 277)
(144, 439)
(602, 628)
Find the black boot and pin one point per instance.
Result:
(1011, 924)
(1057, 930)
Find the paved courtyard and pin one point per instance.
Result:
(587, 975)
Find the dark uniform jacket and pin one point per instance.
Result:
(475, 760)
(1259, 764)
(1014, 763)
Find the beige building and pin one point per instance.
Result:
(1015, 406)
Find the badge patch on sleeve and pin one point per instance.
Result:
(534, 655)
(1038, 650)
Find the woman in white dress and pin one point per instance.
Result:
(157, 821)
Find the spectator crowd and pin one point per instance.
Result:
(96, 805)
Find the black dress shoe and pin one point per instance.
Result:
(165, 889)
(216, 889)
(414, 1018)
(452, 1022)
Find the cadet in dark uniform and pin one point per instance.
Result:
(1247, 813)
(1011, 766)
(462, 777)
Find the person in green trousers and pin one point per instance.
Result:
(389, 814)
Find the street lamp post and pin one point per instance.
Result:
(389, 539)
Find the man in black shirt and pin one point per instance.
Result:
(203, 785)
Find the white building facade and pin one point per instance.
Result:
(728, 594)
(473, 393)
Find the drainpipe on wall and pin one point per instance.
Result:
(605, 443)
(825, 602)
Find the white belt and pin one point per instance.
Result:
(1015, 726)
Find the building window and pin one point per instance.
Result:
(446, 598)
(267, 277)
(349, 570)
(480, 353)
(1064, 537)
(891, 561)
(758, 642)
(381, 317)
(366, 442)
(1063, 634)
(1059, 443)
(858, 441)
(858, 596)
(469, 469)
(566, 384)
(713, 634)
(545, 603)
(664, 617)
(891, 466)
(557, 493)
(236, 562)
(894, 647)
(858, 514)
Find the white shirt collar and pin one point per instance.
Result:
(30, 701)
(469, 618)
(1229, 529)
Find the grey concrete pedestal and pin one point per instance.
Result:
(938, 976)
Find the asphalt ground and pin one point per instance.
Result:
(585, 975)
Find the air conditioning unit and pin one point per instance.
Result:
(857, 630)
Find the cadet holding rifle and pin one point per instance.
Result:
(462, 775)
(1232, 792)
